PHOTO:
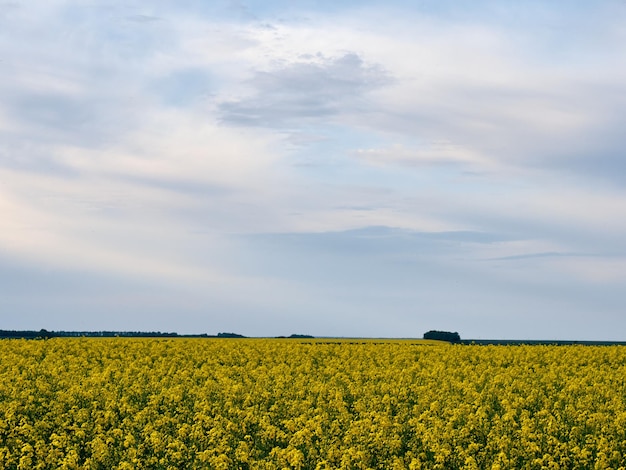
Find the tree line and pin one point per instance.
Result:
(45, 334)
(443, 336)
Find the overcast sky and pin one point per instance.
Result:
(353, 168)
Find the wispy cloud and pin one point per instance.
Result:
(432, 154)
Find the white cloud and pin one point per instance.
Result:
(434, 153)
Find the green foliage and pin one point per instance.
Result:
(443, 336)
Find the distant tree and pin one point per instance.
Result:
(443, 336)
(301, 336)
(26, 334)
(229, 335)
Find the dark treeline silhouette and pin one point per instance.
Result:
(229, 335)
(294, 336)
(443, 336)
(43, 334)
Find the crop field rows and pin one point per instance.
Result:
(271, 404)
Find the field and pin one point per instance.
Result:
(272, 404)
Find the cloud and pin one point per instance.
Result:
(139, 18)
(546, 254)
(378, 257)
(495, 93)
(374, 240)
(184, 87)
(313, 88)
(433, 154)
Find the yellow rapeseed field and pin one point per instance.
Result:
(273, 404)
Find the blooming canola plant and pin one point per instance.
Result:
(308, 404)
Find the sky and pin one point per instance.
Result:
(353, 168)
